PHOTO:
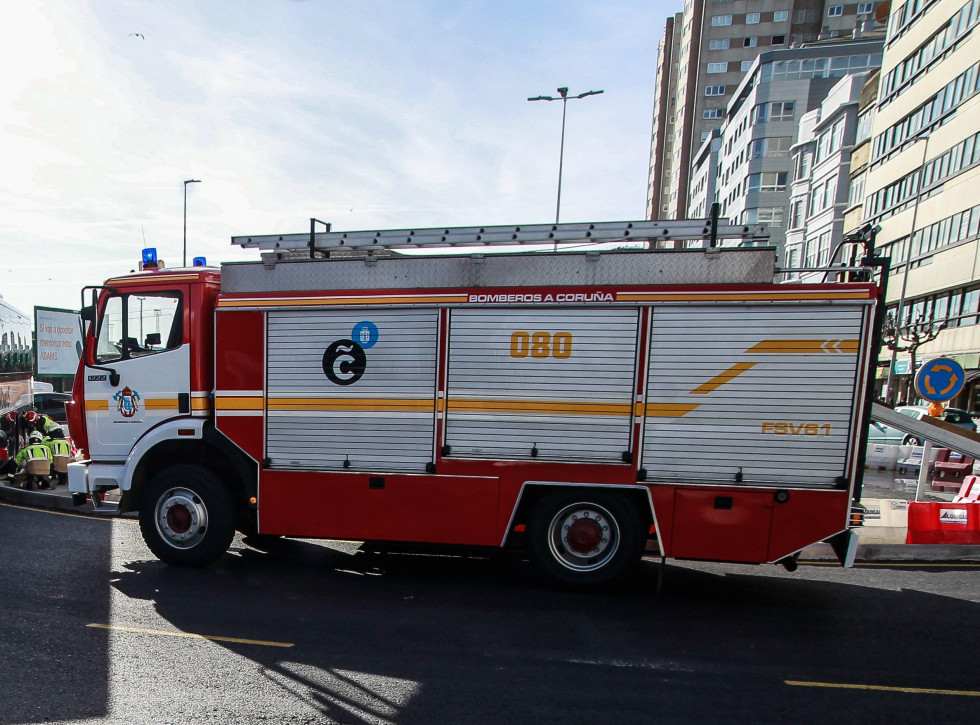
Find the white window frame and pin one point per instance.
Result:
(750, 42)
(714, 90)
(720, 21)
(835, 11)
(720, 44)
(780, 16)
(865, 8)
(753, 18)
(717, 67)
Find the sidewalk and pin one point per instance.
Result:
(876, 542)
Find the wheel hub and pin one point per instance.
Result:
(181, 518)
(583, 537)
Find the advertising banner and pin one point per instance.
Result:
(59, 341)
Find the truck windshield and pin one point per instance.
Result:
(138, 324)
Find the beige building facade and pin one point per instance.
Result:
(922, 185)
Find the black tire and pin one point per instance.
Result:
(187, 516)
(911, 440)
(606, 544)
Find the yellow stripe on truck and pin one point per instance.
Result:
(805, 347)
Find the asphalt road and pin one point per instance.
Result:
(93, 629)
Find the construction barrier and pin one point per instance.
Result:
(943, 523)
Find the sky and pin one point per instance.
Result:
(368, 115)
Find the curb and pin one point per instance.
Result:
(897, 552)
(49, 500)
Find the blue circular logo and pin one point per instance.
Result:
(365, 334)
(939, 380)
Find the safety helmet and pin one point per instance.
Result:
(12, 416)
(35, 437)
(32, 416)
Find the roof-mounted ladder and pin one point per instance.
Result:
(560, 235)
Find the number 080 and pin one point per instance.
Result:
(541, 344)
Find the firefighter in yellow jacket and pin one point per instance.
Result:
(60, 450)
(35, 450)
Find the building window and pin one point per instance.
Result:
(717, 67)
(865, 8)
(718, 21)
(768, 181)
(856, 193)
(778, 40)
(750, 42)
(710, 113)
(746, 64)
(714, 90)
(771, 215)
(719, 44)
(834, 11)
(776, 111)
(781, 16)
(752, 18)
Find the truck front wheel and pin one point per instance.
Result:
(586, 539)
(187, 516)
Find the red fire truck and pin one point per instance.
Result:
(576, 403)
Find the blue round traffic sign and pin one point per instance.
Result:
(939, 380)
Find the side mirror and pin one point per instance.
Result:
(87, 313)
(152, 339)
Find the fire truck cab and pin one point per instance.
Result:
(576, 404)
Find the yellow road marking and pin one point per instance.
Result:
(898, 564)
(882, 688)
(189, 635)
(716, 382)
(88, 515)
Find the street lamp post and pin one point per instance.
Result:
(189, 181)
(908, 260)
(564, 98)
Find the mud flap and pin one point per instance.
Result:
(845, 546)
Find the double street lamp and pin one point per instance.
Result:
(564, 98)
(189, 181)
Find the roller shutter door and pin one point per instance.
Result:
(555, 381)
(382, 420)
(768, 390)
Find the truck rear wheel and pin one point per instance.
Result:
(187, 516)
(585, 538)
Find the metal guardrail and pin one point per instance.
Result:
(933, 430)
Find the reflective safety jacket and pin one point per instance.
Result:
(33, 452)
(58, 447)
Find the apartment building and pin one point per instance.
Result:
(703, 55)
(820, 188)
(921, 182)
(755, 166)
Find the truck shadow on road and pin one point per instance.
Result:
(426, 637)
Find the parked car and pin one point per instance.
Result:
(881, 433)
(52, 405)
